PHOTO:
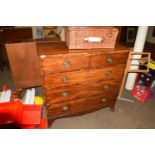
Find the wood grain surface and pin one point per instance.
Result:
(24, 64)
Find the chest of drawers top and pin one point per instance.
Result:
(59, 47)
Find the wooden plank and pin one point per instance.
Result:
(24, 64)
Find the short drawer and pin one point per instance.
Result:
(64, 63)
(108, 60)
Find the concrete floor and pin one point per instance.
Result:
(126, 115)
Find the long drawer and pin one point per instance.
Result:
(74, 92)
(81, 105)
(83, 77)
(64, 63)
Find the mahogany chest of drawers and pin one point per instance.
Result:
(77, 82)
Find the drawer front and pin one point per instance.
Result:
(64, 79)
(64, 63)
(67, 93)
(103, 100)
(105, 74)
(70, 93)
(83, 77)
(108, 60)
(80, 105)
(66, 108)
(104, 88)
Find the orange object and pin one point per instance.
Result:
(26, 116)
(43, 124)
(11, 112)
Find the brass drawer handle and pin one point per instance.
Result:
(110, 59)
(109, 73)
(65, 79)
(106, 87)
(104, 100)
(66, 63)
(64, 94)
(65, 108)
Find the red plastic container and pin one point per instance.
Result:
(142, 88)
(141, 93)
(24, 116)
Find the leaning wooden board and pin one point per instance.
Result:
(24, 64)
(81, 81)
